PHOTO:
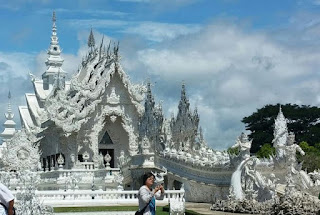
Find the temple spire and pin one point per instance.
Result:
(9, 125)
(183, 91)
(149, 93)
(91, 41)
(9, 114)
(54, 61)
(185, 126)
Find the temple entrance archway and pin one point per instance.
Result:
(113, 139)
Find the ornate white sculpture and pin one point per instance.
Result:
(86, 156)
(177, 207)
(280, 135)
(145, 145)
(73, 180)
(107, 159)
(60, 161)
(291, 149)
(118, 178)
(122, 159)
(244, 145)
(21, 152)
(28, 203)
(113, 98)
(159, 176)
(113, 118)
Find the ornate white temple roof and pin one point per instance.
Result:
(70, 109)
(34, 114)
(25, 117)
(34, 108)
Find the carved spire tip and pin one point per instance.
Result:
(54, 19)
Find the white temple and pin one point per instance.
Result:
(98, 122)
(95, 135)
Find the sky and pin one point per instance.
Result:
(234, 56)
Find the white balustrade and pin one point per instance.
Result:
(89, 197)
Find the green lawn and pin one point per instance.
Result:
(160, 210)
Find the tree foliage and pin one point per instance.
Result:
(266, 151)
(233, 151)
(311, 160)
(303, 120)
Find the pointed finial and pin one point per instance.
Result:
(101, 45)
(102, 41)
(183, 90)
(195, 111)
(9, 115)
(149, 95)
(54, 16)
(91, 42)
(200, 133)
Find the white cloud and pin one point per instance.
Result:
(96, 23)
(316, 2)
(229, 74)
(153, 31)
(161, 31)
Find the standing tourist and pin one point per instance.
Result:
(6, 201)
(147, 196)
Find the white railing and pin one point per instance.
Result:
(63, 173)
(99, 197)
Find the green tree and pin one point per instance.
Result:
(302, 120)
(266, 151)
(233, 151)
(311, 160)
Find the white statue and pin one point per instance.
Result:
(122, 159)
(244, 145)
(177, 207)
(159, 177)
(145, 145)
(291, 149)
(280, 134)
(118, 178)
(252, 175)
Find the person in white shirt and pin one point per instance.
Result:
(6, 201)
(147, 196)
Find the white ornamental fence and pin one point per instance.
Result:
(99, 197)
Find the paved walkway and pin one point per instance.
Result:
(204, 208)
